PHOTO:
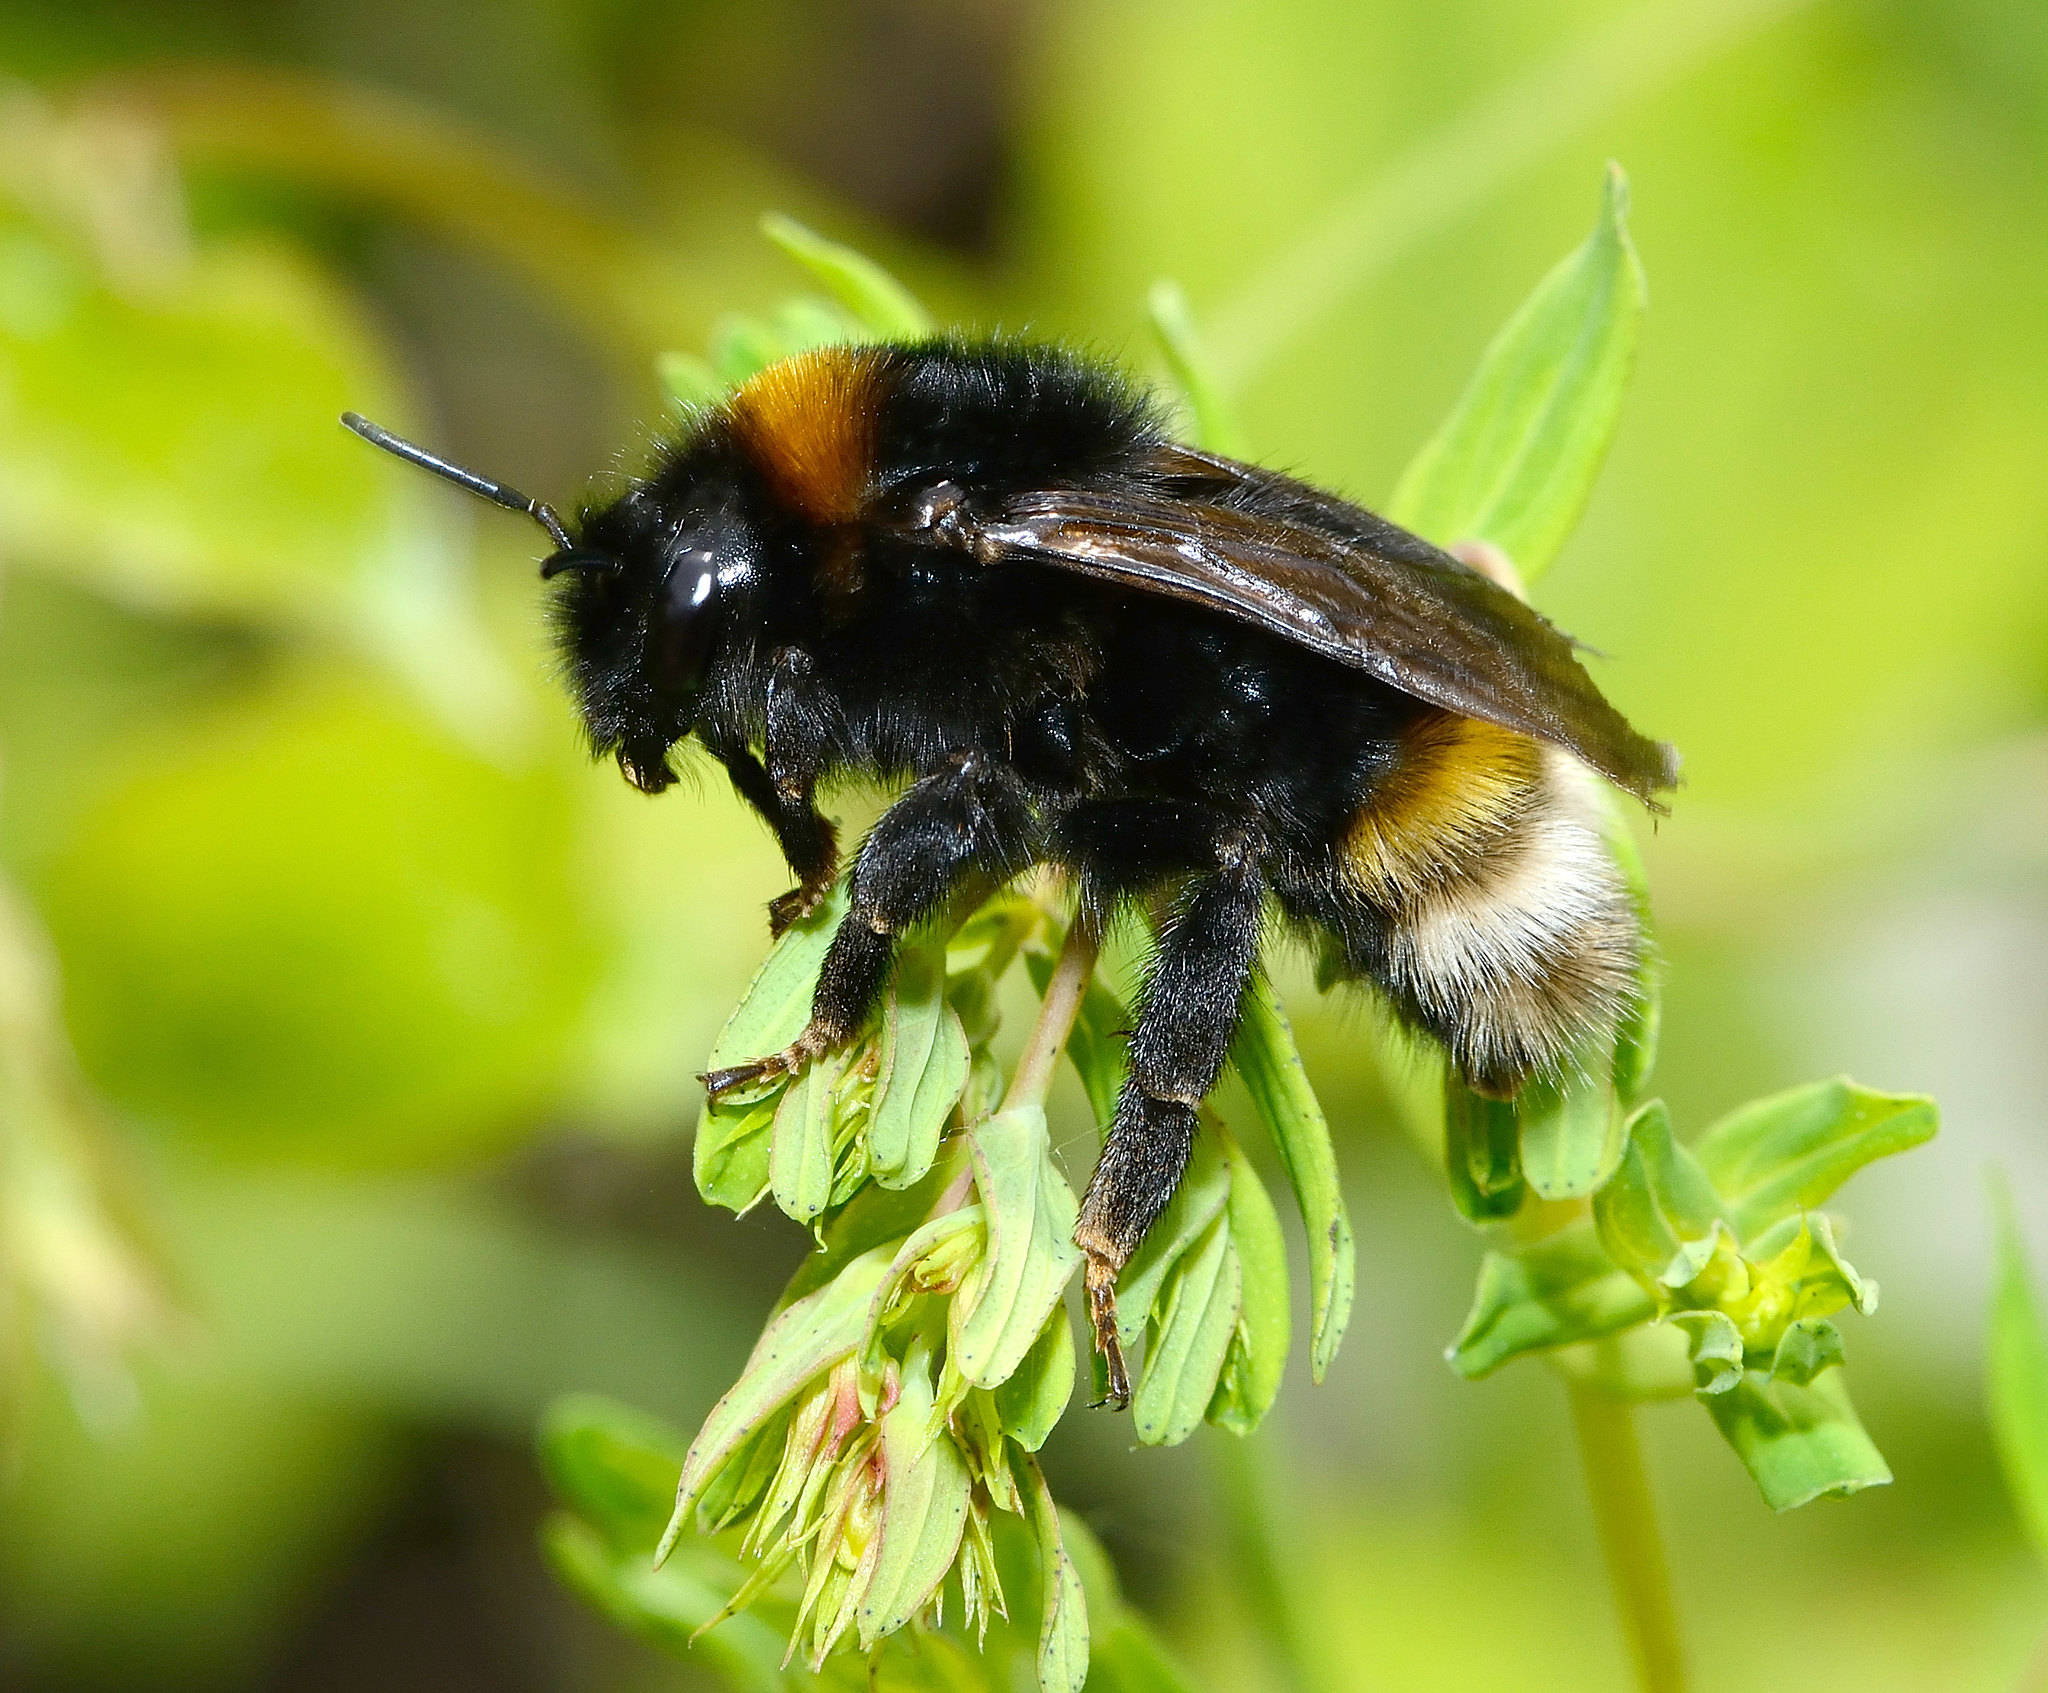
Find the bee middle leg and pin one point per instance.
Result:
(1190, 1013)
(973, 814)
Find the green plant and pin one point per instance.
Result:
(874, 1468)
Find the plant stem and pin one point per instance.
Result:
(1032, 1079)
(1246, 1487)
(1626, 1519)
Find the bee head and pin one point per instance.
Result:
(649, 583)
(649, 586)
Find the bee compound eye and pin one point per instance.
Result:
(689, 620)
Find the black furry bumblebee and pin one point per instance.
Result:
(986, 569)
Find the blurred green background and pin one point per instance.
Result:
(389, 1002)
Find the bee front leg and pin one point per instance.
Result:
(807, 838)
(973, 814)
(1190, 1013)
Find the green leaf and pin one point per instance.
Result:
(1265, 1056)
(800, 1344)
(1514, 462)
(1555, 1292)
(883, 305)
(1197, 1202)
(1714, 1346)
(1173, 322)
(1791, 1151)
(1063, 1628)
(667, 1607)
(924, 1509)
(1258, 1351)
(800, 1160)
(777, 1003)
(1658, 1201)
(1183, 1363)
(731, 1155)
(2016, 1373)
(921, 1070)
(1482, 1153)
(1798, 1443)
(1571, 1137)
(873, 1217)
(1032, 1401)
(1032, 1255)
(616, 1466)
(1810, 1345)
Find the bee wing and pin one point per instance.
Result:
(1340, 581)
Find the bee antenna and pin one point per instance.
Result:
(496, 492)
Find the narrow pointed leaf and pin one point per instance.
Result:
(1200, 1199)
(800, 1159)
(1265, 1056)
(2016, 1375)
(921, 1069)
(1258, 1352)
(1185, 1360)
(777, 1003)
(1482, 1153)
(1791, 1151)
(1063, 1626)
(1515, 461)
(1039, 1390)
(1032, 1256)
(883, 305)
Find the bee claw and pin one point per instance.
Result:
(787, 1062)
(793, 907)
(1102, 1316)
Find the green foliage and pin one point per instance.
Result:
(2016, 1374)
(1515, 461)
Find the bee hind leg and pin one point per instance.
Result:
(1190, 1013)
(973, 813)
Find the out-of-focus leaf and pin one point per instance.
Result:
(1125, 1656)
(1791, 1151)
(1658, 1201)
(1038, 1391)
(800, 1163)
(882, 305)
(1266, 1059)
(924, 1509)
(921, 1069)
(1203, 1193)
(1183, 1363)
(1557, 1291)
(1258, 1351)
(2016, 1374)
(1514, 462)
(1571, 1134)
(1635, 1042)
(1798, 1443)
(801, 1344)
(615, 1466)
(1032, 1255)
(1173, 323)
(1063, 1628)
(319, 928)
(689, 380)
(1482, 1153)
(666, 1607)
(1645, 1362)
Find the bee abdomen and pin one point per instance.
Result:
(1507, 930)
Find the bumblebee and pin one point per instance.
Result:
(985, 570)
